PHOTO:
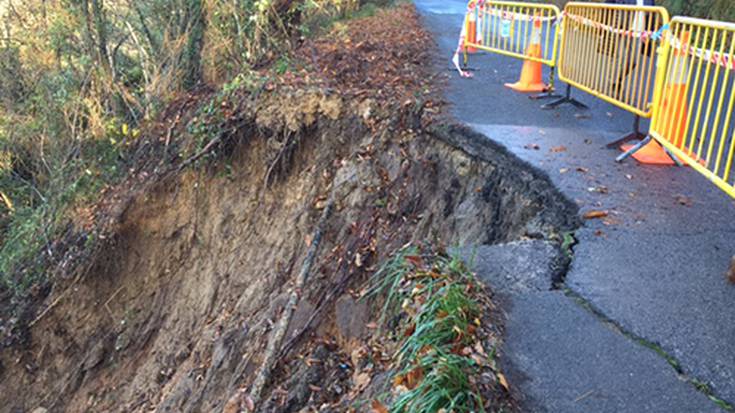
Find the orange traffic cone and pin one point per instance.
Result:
(471, 30)
(651, 154)
(532, 73)
(674, 101)
(674, 109)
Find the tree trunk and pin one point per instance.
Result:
(100, 25)
(193, 54)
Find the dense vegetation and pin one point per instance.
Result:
(708, 9)
(81, 79)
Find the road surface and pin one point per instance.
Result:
(645, 321)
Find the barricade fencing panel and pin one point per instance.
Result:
(609, 51)
(695, 99)
(507, 28)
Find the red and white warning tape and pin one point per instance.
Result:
(462, 36)
(721, 59)
(509, 15)
(485, 10)
(638, 34)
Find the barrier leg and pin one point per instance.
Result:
(642, 145)
(636, 135)
(673, 157)
(566, 99)
(627, 154)
(548, 93)
(466, 63)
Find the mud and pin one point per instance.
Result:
(174, 315)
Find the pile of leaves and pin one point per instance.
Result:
(445, 344)
(383, 57)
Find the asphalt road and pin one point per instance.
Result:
(651, 273)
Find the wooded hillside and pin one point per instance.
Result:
(79, 79)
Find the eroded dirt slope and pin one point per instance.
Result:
(174, 314)
(174, 317)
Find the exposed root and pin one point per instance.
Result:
(274, 343)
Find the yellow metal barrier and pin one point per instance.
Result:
(609, 51)
(506, 27)
(695, 98)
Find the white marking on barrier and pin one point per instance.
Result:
(508, 15)
(638, 34)
(721, 59)
(462, 37)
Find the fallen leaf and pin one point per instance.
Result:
(599, 189)
(595, 214)
(558, 149)
(503, 381)
(378, 407)
(684, 200)
(358, 260)
(249, 404)
(409, 330)
(415, 260)
(608, 221)
(479, 349)
(414, 377)
(361, 381)
(480, 361)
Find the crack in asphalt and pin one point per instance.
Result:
(560, 285)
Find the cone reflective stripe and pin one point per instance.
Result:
(471, 31)
(532, 73)
(674, 109)
(674, 102)
(481, 18)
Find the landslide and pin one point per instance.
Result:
(173, 310)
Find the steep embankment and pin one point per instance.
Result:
(174, 312)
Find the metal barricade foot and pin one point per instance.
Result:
(633, 150)
(674, 158)
(549, 94)
(565, 99)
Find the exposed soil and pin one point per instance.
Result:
(174, 313)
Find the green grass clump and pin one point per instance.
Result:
(437, 296)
